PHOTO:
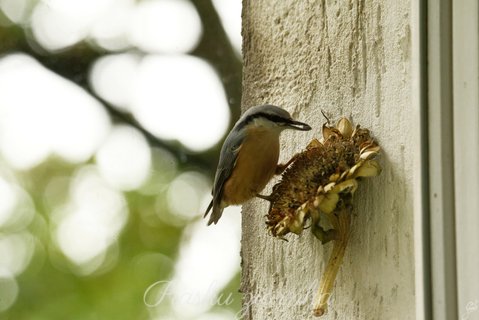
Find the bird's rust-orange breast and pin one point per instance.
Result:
(256, 163)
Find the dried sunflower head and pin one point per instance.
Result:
(321, 180)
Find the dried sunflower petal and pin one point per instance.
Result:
(328, 203)
(344, 126)
(368, 168)
(346, 186)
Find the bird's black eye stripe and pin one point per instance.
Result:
(271, 117)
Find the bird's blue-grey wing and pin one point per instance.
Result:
(227, 161)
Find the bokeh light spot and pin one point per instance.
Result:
(15, 10)
(171, 26)
(214, 253)
(219, 315)
(56, 192)
(124, 159)
(53, 116)
(186, 192)
(23, 211)
(16, 250)
(230, 14)
(45, 22)
(8, 290)
(113, 77)
(91, 221)
(164, 169)
(75, 18)
(110, 30)
(182, 98)
(81, 238)
(8, 201)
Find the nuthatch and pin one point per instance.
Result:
(249, 157)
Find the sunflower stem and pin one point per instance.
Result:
(342, 223)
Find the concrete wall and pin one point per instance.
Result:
(349, 58)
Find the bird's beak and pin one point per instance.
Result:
(296, 125)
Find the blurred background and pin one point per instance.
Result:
(112, 113)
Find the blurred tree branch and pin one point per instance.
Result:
(74, 63)
(217, 49)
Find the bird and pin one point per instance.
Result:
(249, 157)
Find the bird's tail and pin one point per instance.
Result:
(209, 208)
(215, 214)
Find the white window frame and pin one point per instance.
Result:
(448, 229)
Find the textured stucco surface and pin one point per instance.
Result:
(350, 58)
